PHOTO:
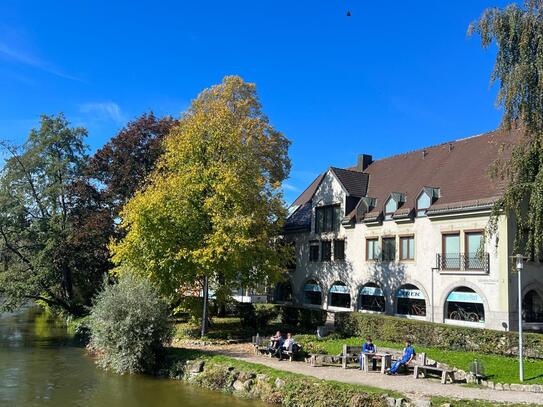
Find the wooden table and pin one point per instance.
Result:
(385, 358)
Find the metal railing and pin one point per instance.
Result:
(463, 262)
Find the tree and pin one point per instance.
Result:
(36, 200)
(517, 32)
(129, 325)
(212, 209)
(122, 165)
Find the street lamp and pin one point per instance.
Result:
(519, 265)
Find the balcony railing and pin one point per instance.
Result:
(463, 262)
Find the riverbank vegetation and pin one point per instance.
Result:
(129, 326)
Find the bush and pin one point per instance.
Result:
(440, 336)
(256, 316)
(129, 326)
(302, 318)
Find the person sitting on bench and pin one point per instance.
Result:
(276, 342)
(290, 343)
(407, 356)
(369, 348)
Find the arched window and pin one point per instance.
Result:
(371, 298)
(340, 295)
(283, 292)
(464, 304)
(312, 293)
(410, 301)
(532, 306)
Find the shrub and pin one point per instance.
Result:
(129, 326)
(302, 318)
(256, 316)
(440, 336)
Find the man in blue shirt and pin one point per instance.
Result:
(369, 348)
(407, 356)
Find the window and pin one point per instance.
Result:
(464, 304)
(339, 249)
(423, 203)
(371, 298)
(314, 251)
(326, 250)
(474, 250)
(327, 218)
(312, 293)
(410, 301)
(340, 295)
(389, 248)
(451, 251)
(372, 249)
(407, 248)
(390, 208)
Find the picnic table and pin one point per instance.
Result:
(385, 358)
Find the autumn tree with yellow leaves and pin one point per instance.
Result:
(213, 208)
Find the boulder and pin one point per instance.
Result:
(197, 366)
(399, 402)
(422, 403)
(248, 384)
(498, 386)
(391, 402)
(516, 387)
(238, 385)
(279, 383)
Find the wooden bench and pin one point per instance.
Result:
(423, 370)
(320, 359)
(350, 354)
(420, 359)
(261, 345)
(291, 353)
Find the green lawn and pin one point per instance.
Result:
(500, 369)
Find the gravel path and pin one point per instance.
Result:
(412, 388)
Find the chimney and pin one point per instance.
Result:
(364, 160)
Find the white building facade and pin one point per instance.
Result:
(407, 236)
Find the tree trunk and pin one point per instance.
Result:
(204, 312)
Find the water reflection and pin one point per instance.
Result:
(41, 366)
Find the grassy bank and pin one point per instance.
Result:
(500, 369)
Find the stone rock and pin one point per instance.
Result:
(279, 383)
(262, 377)
(498, 386)
(490, 385)
(506, 386)
(470, 378)
(516, 387)
(238, 385)
(484, 383)
(399, 402)
(422, 403)
(248, 384)
(446, 405)
(391, 402)
(197, 366)
(527, 387)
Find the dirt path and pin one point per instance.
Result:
(412, 388)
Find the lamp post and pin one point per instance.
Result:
(519, 260)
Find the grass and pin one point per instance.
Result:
(437, 401)
(499, 369)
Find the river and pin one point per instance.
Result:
(40, 365)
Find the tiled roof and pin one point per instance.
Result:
(355, 182)
(460, 169)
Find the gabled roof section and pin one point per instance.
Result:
(354, 182)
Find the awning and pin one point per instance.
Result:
(312, 287)
(462, 296)
(410, 293)
(339, 289)
(371, 291)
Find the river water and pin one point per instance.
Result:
(41, 366)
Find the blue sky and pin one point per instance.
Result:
(391, 78)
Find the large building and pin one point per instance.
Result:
(406, 236)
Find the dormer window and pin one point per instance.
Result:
(426, 198)
(390, 208)
(392, 204)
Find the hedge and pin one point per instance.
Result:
(440, 336)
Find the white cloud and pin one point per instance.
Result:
(290, 187)
(26, 59)
(103, 111)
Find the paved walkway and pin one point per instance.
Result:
(411, 387)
